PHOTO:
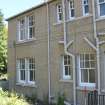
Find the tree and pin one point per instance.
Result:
(3, 45)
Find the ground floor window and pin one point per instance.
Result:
(87, 69)
(26, 70)
(67, 67)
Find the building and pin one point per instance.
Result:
(58, 46)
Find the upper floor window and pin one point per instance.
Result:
(26, 28)
(87, 69)
(85, 7)
(31, 27)
(101, 7)
(59, 13)
(26, 70)
(22, 29)
(71, 9)
(67, 67)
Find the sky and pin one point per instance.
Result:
(12, 7)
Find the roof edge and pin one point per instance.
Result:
(30, 9)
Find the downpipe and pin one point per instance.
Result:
(68, 53)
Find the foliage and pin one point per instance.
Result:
(60, 100)
(3, 44)
(4, 77)
(7, 98)
(32, 99)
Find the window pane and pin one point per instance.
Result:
(93, 64)
(31, 69)
(86, 57)
(82, 57)
(69, 70)
(22, 75)
(84, 75)
(30, 32)
(85, 2)
(101, 1)
(87, 64)
(92, 76)
(72, 13)
(31, 26)
(92, 56)
(86, 9)
(22, 63)
(60, 16)
(66, 70)
(88, 70)
(69, 60)
(102, 9)
(59, 12)
(32, 75)
(22, 29)
(82, 64)
(71, 4)
(65, 60)
(31, 20)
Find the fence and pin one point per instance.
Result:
(95, 99)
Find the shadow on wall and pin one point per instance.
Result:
(4, 84)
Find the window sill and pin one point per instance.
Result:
(25, 41)
(64, 80)
(26, 85)
(78, 18)
(103, 90)
(100, 18)
(58, 23)
(74, 19)
(87, 88)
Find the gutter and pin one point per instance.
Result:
(97, 46)
(68, 53)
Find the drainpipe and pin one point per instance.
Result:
(97, 45)
(49, 72)
(68, 53)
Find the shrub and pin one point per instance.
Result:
(60, 100)
(7, 98)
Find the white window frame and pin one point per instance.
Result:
(83, 8)
(70, 9)
(19, 72)
(21, 29)
(59, 12)
(31, 27)
(66, 77)
(27, 72)
(87, 84)
(99, 15)
(31, 82)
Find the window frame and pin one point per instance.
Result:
(70, 9)
(83, 8)
(80, 76)
(33, 26)
(19, 71)
(27, 73)
(21, 29)
(67, 77)
(59, 13)
(31, 82)
(99, 15)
